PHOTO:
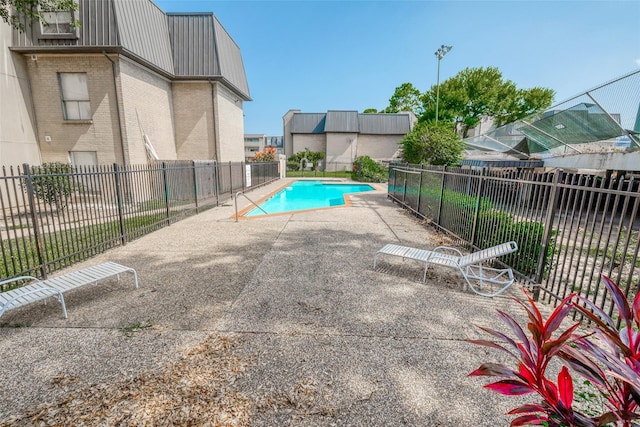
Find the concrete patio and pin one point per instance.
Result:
(321, 338)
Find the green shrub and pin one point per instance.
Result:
(52, 183)
(495, 227)
(365, 169)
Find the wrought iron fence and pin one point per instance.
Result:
(570, 228)
(56, 215)
(321, 170)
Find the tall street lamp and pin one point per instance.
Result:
(440, 53)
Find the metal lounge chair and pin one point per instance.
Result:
(38, 290)
(471, 266)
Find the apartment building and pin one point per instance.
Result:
(130, 84)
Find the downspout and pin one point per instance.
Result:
(115, 89)
(216, 136)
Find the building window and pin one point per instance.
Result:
(75, 96)
(58, 22)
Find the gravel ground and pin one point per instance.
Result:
(277, 321)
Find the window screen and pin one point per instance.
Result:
(59, 22)
(75, 96)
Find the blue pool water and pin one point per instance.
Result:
(303, 195)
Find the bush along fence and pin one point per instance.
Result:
(56, 214)
(570, 228)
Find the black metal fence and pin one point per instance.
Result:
(570, 228)
(56, 215)
(321, 170)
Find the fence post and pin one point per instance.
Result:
(419, 191)
(195, 183)
(34, 219)
(243, 171)
(166, 191)
(477, 212)
(231, 178)
(546, 236)
(120, 206)
(444, 170)
(216, 176)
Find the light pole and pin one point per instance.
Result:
(440, 53)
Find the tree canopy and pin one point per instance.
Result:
(405, 98)
(475, 93)
(33, 10)
(434, 144)
(466, 98)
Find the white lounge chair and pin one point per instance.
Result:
(38, 290)
(471, 266)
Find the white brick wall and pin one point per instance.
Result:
(193, 113)
(230, 125)
(148, 105)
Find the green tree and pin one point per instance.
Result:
(405, 98)
(311, 156)
(370, 111)
(475, 93)
(432, 144)
(32, 10)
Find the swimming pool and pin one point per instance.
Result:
(305, 195)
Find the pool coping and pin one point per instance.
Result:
(347, 199)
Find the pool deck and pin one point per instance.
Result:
(322, 338)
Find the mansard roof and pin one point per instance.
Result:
(351, 122)
(192, 46)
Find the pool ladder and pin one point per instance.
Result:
(241, 193)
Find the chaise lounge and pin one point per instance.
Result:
(471, 266)
(38, 290)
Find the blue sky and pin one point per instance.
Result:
(351, 55)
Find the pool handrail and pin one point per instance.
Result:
(241, 193)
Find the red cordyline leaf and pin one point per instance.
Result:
(499, 335)
(558, 315)
(510, 387)
(584, 366)
(529, 420)
(551, 348)
(532, 309)
(619, 300)
(527, 358)
(565, 387)
(550, 392)
(636, 309)
(527, 409)
(526, 374)
(493, 370)
(515, 327)
(536, 332)
(492, 345)
(594, 312)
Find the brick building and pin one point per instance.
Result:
(130, 84)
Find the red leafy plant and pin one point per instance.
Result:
(607, 357)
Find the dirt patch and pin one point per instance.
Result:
(190, 391)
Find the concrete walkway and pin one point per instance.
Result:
(326, 339)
